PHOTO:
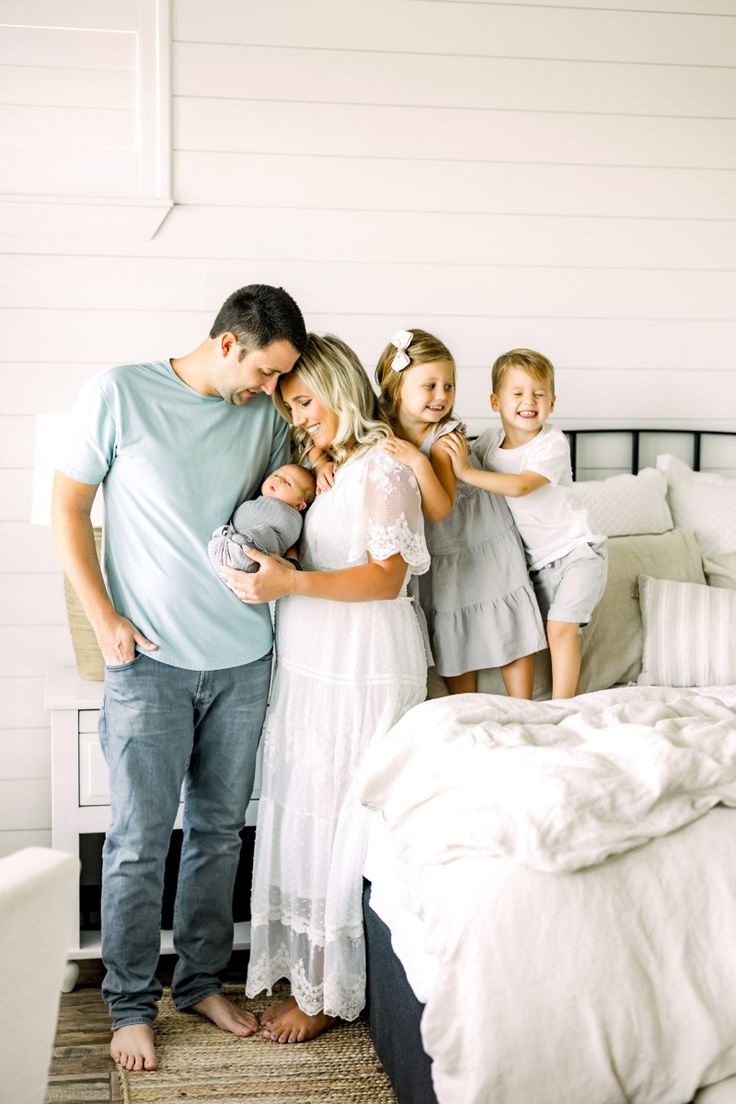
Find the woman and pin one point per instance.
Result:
(350, 663)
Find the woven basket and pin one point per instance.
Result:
(90, 663)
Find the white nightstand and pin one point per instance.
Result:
(80, 796)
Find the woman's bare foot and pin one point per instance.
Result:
(132, 1047)
(226, 1015)
(286, 1023)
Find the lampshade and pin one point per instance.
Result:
(51, 434)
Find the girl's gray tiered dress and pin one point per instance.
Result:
(477, 598)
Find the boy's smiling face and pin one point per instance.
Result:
(523, 402)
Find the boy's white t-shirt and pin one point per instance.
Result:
(549, 521)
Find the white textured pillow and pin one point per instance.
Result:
(626, 505)
(702, 501)
(689, 634)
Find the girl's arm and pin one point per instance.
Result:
(435, 477)
(505, 483)
(378, 580)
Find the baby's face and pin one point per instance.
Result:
(290, 484)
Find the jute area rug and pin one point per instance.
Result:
(199, 1064)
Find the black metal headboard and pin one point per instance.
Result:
(635, 435)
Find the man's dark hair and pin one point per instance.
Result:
(259, 315)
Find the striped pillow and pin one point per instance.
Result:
(689, 634)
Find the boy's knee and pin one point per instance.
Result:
(558, 631)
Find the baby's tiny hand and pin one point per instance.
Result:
(326, 476)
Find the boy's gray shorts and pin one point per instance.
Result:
(570, 588)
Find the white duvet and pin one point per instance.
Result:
(562, 977)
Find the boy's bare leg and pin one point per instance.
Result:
(133, 1048)
(226, 1015)
(564, 650)
(518, 677)
(286, 1023)
(466, 683)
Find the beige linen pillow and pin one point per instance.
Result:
(720, 571)
(613, 642)
(689, 637)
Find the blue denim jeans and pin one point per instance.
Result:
(162, 726)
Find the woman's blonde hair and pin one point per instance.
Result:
(330, 369)
(533, 363)
(424, 348)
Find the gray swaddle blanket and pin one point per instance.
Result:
(263, 523)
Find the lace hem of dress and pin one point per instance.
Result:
(317, 936)
(345, 1001)
(387, 540)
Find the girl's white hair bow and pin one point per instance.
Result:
(402, 339)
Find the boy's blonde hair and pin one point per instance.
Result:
(423, 349)
(330, 369)
(535, 364)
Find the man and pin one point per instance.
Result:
(177, 445)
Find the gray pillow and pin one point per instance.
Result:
(613, 642)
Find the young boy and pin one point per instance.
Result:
(270, 523)
(529, 462)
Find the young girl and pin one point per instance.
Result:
(477, 597)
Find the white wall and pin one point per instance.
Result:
(500, 173)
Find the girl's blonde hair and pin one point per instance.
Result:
(422, 349)
(533, 363)
(330, 369)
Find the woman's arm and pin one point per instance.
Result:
(435, 477)
(505, 483)
(378, 580)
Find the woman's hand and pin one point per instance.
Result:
(456, 448)
(403, 451)
(326, 476)
(274, 579)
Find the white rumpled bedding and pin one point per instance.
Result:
(563, 978)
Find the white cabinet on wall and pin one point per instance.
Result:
(84, 107)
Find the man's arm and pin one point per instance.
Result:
(75, 543)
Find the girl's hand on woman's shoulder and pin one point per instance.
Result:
(403, 451)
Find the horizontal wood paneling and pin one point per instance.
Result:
(25, 547)
(405, 79)
(89, 173)
(27, 388)
(114, 15)
(15, 494)
(25, 804)
(12, 841)
(80, 128)
(506, 30)
(22, 699)
(604, 343)
(25, 753)
(101, 283)
(261, 180)
(66, 87)
(32, 599)
(49, 46)
(666, 7)
(443, 239)
(31, 651)
(366, 130)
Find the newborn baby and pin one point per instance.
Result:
(271, 523)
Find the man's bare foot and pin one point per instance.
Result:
(132, 1047)
(226, 1015)
(286, 1023)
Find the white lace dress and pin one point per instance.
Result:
(344, 672)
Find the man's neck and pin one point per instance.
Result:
(192, 369)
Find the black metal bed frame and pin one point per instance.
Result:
(636, 434)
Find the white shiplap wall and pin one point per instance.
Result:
(555, 175)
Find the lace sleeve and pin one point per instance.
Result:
(391, 515)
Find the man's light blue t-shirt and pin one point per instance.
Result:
(174, 465)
